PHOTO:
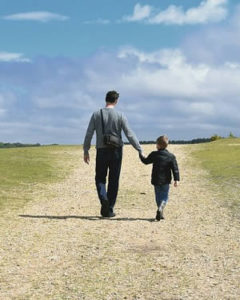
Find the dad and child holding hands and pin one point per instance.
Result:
(108, 125)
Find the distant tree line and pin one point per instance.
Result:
(193, 141)
(16, 145)
(213, 138)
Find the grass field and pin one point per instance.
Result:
(222, 160)
(23, 170)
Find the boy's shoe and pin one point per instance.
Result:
(105, 208)
(161, 208)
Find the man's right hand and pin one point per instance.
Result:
(86, 158)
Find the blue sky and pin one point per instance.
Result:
(176, 65)
(85, 27)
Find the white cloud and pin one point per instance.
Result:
(7, 101)
(2, 109)
(158, 72)
(207, 12)
(166, 89)
(139, 13)
(40, 16)
(165, 57)
(215, 44)
(160, 92)
(196, 108)
(2, 112)
(98, 21)
(13, 57)
(57, 99)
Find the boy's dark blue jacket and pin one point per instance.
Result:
(164, 165)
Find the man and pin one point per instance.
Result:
(108, 158)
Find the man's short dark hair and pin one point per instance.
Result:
(111, 96)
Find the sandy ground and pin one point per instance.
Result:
(57, 247)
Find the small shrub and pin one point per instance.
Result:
(231, 135)
(215, 137)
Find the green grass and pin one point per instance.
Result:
(222, 160)
(24, 169)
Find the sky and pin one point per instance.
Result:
(176, 65)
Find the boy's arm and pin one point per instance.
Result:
(146, 160)
(175, 171)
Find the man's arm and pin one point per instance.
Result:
(146, 160)
(130, 134)
(88, 138)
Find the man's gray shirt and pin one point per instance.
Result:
(114, 123)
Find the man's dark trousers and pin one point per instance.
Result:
(108, 160)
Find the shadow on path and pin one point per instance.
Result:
(90, 218)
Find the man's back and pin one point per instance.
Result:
(112, 120)
(114, 123)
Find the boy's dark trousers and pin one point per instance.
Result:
(108, 160)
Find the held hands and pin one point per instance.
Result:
(86, 158)
(141, 154)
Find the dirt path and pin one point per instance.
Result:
(58, 248)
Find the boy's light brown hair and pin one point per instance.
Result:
(162, 141)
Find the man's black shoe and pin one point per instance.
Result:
(158, 215)
(105, 208)
(111, 215)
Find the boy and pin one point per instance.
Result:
(164, 165)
